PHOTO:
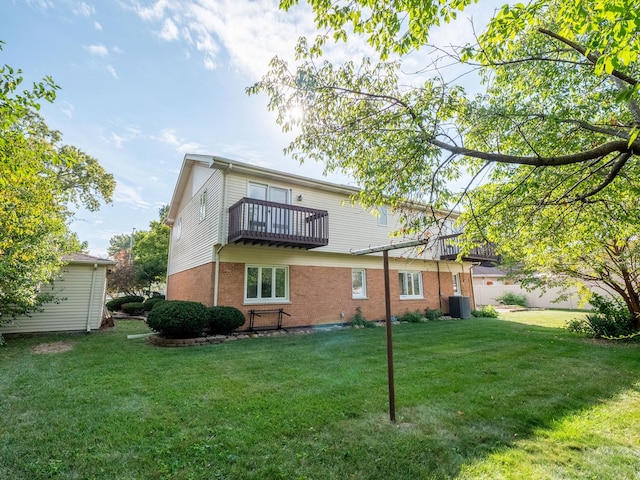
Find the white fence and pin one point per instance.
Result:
(487, 294)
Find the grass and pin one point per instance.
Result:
(543, 318)
(481, 398)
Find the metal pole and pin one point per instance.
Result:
(387, 301)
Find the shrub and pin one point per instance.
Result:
(432, 314)
(411, 317)
(116, 304)
(511, 298)
(609, 319)
(178, 319)
(149, 303)
(488, 311)
(224, 320)
(358, 319)
(133, 308)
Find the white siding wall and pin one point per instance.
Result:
(195, 246)
(350, 226)
(70, 314)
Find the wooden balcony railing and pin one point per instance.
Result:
(449, 249)
(270, 223)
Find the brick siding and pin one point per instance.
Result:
(318, 295)
(195, 284)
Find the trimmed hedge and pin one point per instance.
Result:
(116, 304)
(150, 303)
(133, 308)
(178, 319)
(224, 320)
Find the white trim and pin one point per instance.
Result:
(272, 299)
(363, 293)
(405, 283)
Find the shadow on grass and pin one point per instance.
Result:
(312, 406)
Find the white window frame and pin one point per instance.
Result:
(272, 299)
(202, 212)
(178, 228)
(406, 279)
(363, 292)
(383, 215)
(457, 286)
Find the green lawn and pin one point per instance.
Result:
(480, 398)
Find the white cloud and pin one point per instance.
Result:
(40, 4)
(97, 50)
(112, 71)
(97, 26)
(83, 10)
(67, 108)
(131, 133)
(154, 12)
(129, 195)
(170, 137)
(250, 33)
(169, 31)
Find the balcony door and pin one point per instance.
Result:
(268, 218)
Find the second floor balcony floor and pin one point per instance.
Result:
(261, 222)
(449, 249)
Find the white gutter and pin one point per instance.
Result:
(222, 221)
(91, 301)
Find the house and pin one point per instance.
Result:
(81, 289)
(281, 245)
(487, 276)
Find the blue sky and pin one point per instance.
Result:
(145, 81)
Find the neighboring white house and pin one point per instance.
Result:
(490, 283)
(260, 239)
(82, 285)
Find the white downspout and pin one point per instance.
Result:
(221, 231)
(91, 300)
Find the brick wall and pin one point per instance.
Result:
(195, 284)
(318, 295)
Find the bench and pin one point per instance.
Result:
(253, 313)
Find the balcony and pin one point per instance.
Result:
(449, 250)
(260, 222)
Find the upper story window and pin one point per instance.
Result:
(202, 213)
(261, 191)
(382, 215)
(410, 285)
(358, 283)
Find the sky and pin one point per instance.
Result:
(144, 82)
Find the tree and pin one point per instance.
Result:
(554, 134)
(151, 252)
(138, 268)
(39, 177)
(597, 243)
(561, 99)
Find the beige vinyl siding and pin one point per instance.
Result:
(351, 227)
(287, 256)
(195, 246)
(72, 313)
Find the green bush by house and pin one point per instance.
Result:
(116, 304)
(178, 319)
(511, 298)
(150, 303)
(133, 308)
(224, 320)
